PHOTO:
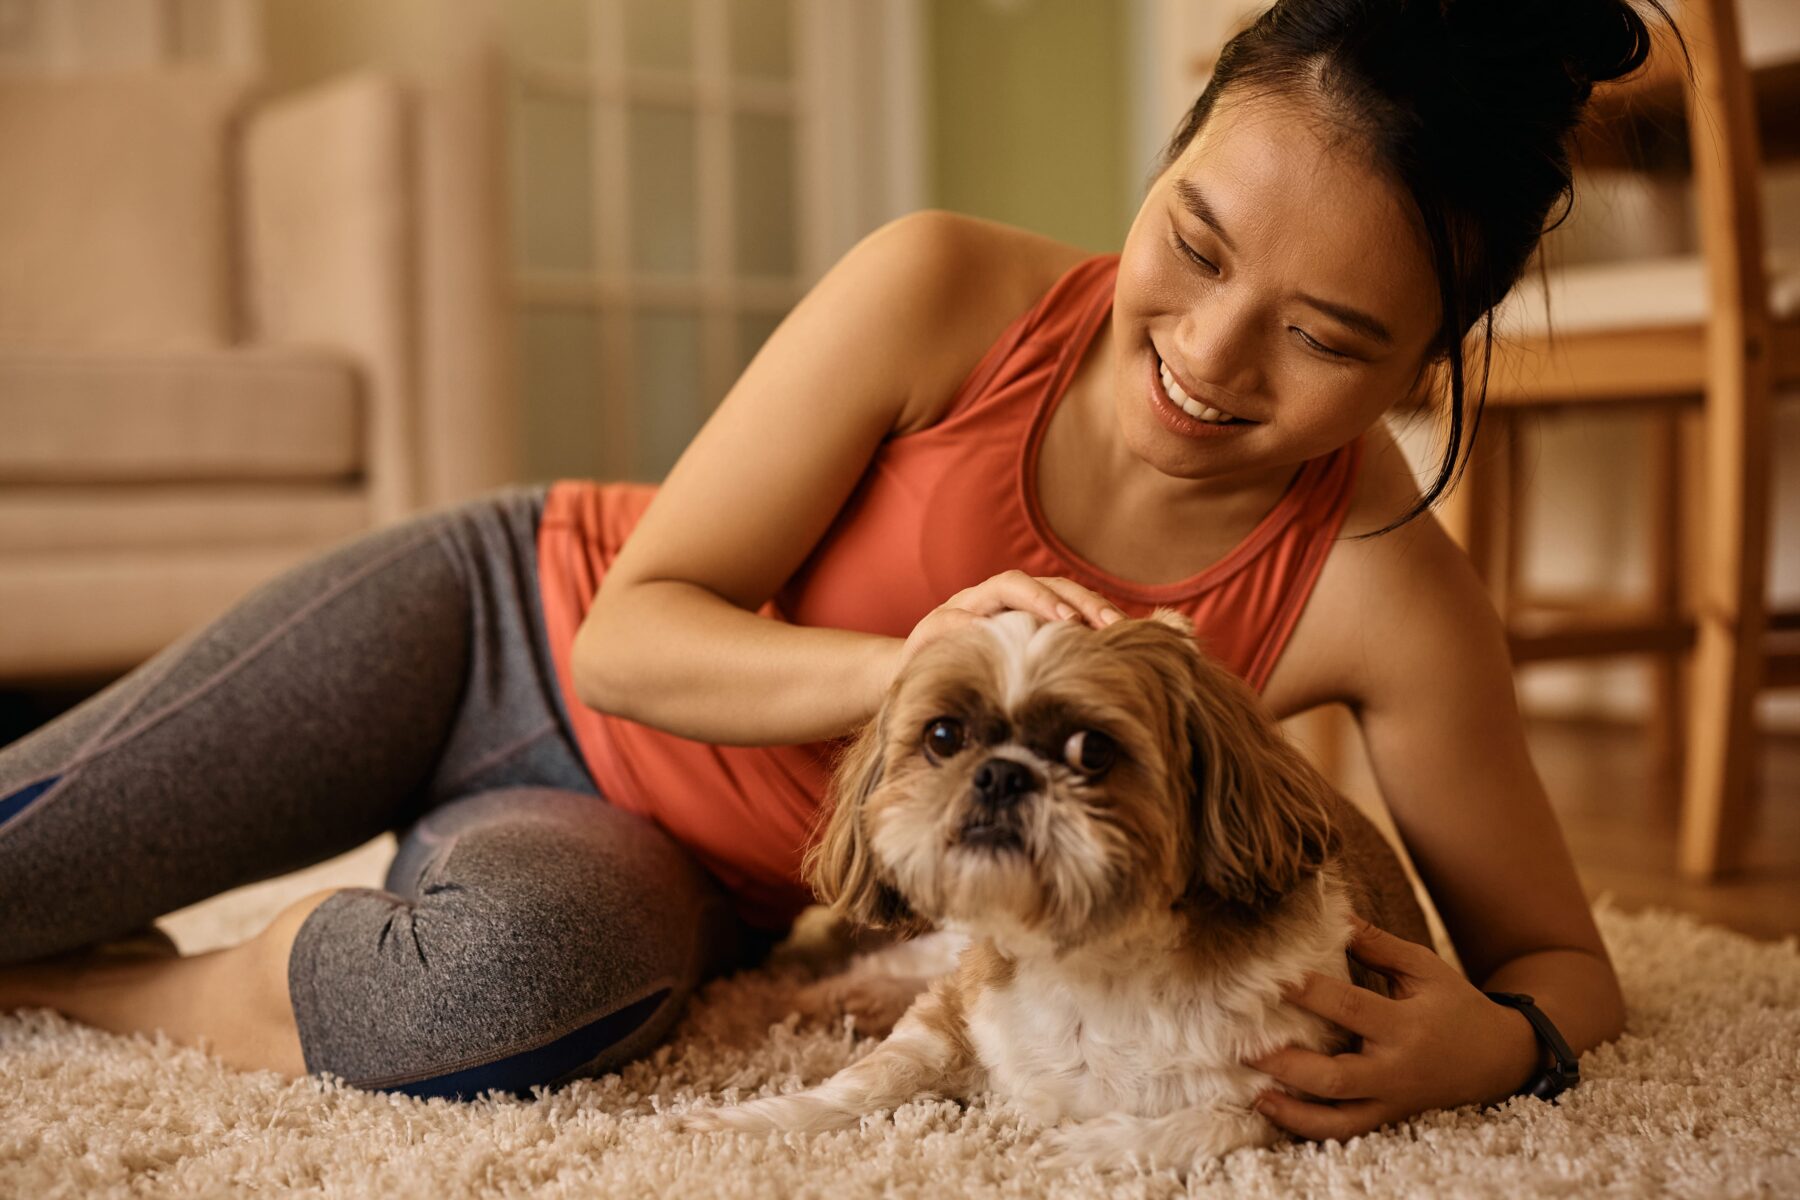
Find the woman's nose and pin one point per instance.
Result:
(1221, 350)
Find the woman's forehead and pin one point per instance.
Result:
(1304, 195)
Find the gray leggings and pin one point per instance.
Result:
(529, 932)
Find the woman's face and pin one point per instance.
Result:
(1308, 310)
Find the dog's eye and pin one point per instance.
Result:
(1090, 750)
(944, 736)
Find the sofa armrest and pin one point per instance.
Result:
(329, 260)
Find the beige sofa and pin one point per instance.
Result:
(213, 358)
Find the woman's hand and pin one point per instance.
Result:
(1053, 598)
(1437, 1043)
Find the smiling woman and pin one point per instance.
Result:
(608, 711)
(1276, 289)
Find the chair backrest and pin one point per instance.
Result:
(1727, 160)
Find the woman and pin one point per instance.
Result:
(957, 409)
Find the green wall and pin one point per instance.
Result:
(1029, 122)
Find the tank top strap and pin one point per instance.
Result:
(1052, 316)
(1318, 520)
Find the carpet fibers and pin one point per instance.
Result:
(1700, 1097)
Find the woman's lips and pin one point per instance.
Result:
(1178, 422)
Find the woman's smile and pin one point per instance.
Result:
(1178, 420)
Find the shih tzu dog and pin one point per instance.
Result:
(1140, 861)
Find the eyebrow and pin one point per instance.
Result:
(1196, 203)
(1355, 318)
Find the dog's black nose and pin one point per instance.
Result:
(999, 782)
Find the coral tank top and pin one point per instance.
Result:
(936, 510)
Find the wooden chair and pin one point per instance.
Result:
(1705, 378)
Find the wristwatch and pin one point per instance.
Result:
(1564, 1072)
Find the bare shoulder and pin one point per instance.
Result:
(988, 273)
(1386, 607)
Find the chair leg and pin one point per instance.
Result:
(1720, 783)
(1667, 486)
(1730, 619)
(1732, 604)
(1478, 511)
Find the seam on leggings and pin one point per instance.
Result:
(504, 752)
(667, 982)
(71, 769)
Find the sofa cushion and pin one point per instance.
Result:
(40, 521)
(115, 215)
(92, 615)
(225, 414)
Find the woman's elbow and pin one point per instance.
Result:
(594, 687)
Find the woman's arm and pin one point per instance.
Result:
(727, 676)
(1440, 719)
(1434, 696)
(673, 638)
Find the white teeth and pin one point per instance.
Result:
(1192, 407)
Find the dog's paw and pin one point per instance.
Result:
(1180, 1141)
(1101, 1145)
(743, 1118)
(874, 1003)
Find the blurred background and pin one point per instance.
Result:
(273, 272)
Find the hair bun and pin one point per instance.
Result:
(1595, 40)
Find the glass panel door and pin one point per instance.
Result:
(655, 188)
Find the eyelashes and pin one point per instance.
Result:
(1322, 349)
(1196, 257)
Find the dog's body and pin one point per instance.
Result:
(1101, 989)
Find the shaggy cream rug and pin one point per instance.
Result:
(1701, 1097)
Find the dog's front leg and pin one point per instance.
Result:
(927, 1054)
(1179, 1139)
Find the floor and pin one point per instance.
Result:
(1617, 811)
(1620, 818)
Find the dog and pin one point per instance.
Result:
(1139, 861)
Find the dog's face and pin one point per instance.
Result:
(1055, 779)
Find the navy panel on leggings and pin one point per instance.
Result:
(518, 1073)
(11, 806)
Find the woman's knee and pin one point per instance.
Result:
(492, 976)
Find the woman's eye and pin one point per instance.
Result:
(943, 737)
(1320, 347)
(1195, 255)
(1090, 751)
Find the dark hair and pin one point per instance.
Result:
(1469, 105)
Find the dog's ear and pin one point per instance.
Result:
(839, 865)
(1260, 812)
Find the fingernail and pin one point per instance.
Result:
(1113, 614)
(1065, 612)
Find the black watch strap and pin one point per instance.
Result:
(1564, 1072)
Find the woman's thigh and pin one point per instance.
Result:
(337, 700)
(526, 936)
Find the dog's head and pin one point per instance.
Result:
(1055, 778)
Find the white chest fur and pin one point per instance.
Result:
(1141, 1031)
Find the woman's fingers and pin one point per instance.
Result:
(1052, 598)
(1326, 1076)
(1098, 610)
(1375, 947)
(1357, 1009)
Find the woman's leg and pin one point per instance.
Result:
(233, 1001)
(336, 701)
(526, 936)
